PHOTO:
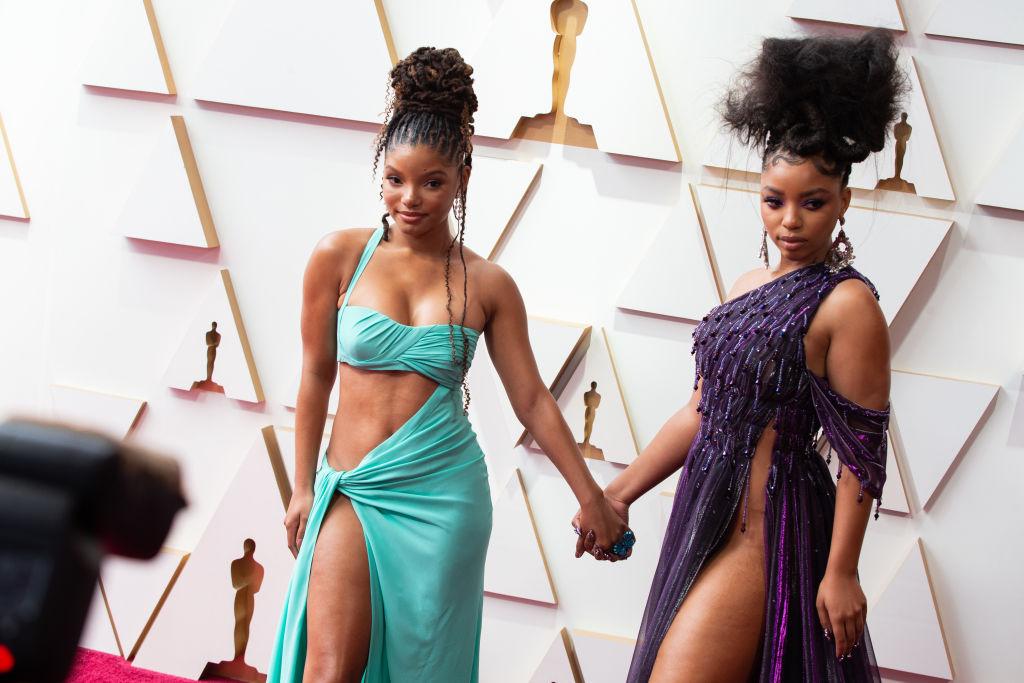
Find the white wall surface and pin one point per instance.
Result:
(82, 306)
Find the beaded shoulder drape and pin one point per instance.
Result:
(752, 374)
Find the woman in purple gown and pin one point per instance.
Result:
(758, 571)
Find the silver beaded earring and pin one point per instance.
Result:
(841, 254)
(763, 255)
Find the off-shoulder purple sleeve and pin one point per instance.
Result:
(856, 433)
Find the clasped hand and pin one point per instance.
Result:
(599, 526)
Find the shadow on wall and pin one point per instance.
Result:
(922, 292)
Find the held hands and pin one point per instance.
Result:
(600, 525)
(295, 519)
(842, 610)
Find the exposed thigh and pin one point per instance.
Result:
(717, 631)
(338, 616)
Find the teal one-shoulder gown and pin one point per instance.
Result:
(424, 503)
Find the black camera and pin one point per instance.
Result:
(67, 498)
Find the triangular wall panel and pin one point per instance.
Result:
(934, 417)
(612, 65)
(516, 566)
(894, 497)
(129, 53)
(135, 592)
(892, 249)
(234, 371)
(509, 89)
(924, 165)
(497, 190)
(997, 21)
(558, 664)
(195, 627)
(904, 624)
(654, 372)
(1016, 429)
(12, 197)
(724, 151)
(603, 658)
(871, 13)
(612, 433)
(320, 57)
(512, 640)
(168, 203)
(674, 278)
(280, 443)
(114, 415)
(98, 630)
(558, 347)
(1002, 186)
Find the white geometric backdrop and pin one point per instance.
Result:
(616, 250)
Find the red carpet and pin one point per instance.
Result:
(98, 667)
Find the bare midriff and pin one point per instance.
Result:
(372, 405)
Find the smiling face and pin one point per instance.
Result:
(419, 187)
(800, 206)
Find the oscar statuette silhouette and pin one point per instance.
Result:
(246, 578)
(901, 131)
(591, 401)
(568, 18)
(212, 342)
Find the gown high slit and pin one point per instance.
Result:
(424, 504)
(753, 376)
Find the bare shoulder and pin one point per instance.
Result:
(852, 300)
(851, 312)
(750, 280)
(339, 242)
(337, 253)
(491, 277)
(496, 288)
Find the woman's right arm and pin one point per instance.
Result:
(664, 455)
(320, 286)
(667, 451)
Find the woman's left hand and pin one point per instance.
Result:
(843, 610)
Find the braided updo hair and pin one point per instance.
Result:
(826, 99)
(431, 102)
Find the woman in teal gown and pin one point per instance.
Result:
(390, 525)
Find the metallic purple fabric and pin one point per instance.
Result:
(753, 374)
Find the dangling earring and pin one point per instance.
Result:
(459, 205)
(763, 255)
(841, 254)
(387, 227)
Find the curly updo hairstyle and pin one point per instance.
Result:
(827, 99)
(431, 102)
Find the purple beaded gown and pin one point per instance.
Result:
(753, 374)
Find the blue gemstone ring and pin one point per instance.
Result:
(623, 545)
